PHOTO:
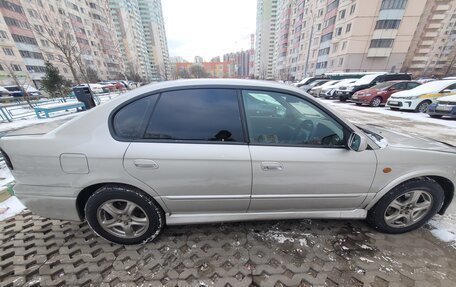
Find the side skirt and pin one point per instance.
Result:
(177, 219)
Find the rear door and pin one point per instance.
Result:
(192, 152)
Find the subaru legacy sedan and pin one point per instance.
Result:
(201, 151)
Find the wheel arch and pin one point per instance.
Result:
(85, 193)
(446, 184)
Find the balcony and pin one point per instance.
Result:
(379, 52)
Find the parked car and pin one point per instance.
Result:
(419, 98)
(316, 91)
(443, 107)
(15, 91)
(313, 84)
(425, 80)
(368, 81)
(198, 151)
(4, 92)
(329, 91)
(307, 81)
(379, 94)
(107, 87)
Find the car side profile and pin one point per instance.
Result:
(202, 151)
(379, 94)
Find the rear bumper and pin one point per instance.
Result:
(42, 201)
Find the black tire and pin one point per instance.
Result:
(342, 99)
(359, 104)
(376, 218)
(394, 109)
(146, 203)
(435, 116)
(422, 107)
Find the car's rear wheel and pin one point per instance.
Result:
(376, 102)
(435, 116)
(342, 99)
(407, 206)
(423, 106)
(359, 104)
(124, 215)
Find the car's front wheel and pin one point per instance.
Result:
(423, 106)
(124, 215)
(407, 206)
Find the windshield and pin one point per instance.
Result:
(383, 85)
(366, 79)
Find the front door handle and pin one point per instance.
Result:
(145, 163)
(271, 165)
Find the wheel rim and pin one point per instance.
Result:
(376, 102)
(423, 107)
(408, 208)
(123, 218)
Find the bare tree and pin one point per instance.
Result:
(161, 71)
(19, 84)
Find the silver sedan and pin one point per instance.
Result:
(201, 151)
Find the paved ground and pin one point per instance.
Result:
(35, 251)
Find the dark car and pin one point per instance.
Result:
(379, 94)
(345, 93)
(443, 107)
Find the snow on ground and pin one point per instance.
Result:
(10, 207)
(420, 117)
(444, 228)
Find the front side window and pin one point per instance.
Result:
(283, 119)
(197, 115)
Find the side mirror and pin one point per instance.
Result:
(446, 91)
(357, 142)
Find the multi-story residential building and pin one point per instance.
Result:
(154, 31)
(198, 59)
(433, 50)
(131, 36)
(318, 36)
(265, 38)
(43, 30)
(242, 62)
(212, 69)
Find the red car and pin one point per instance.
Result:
(379, 94)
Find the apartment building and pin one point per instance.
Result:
(265, 38)
(31, 25)
(243, 63)
(433, 50)
(212, 69)
(317, 36)
(154, 32)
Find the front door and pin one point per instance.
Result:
(299, 159)
(193, 152)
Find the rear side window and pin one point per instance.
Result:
(197, 114)
(129, 121)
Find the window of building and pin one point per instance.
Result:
(320, 12)
(341, 14)
(326, 37)
(352, 9)
(1, 68)
(393, 4)
(318, 27)
(3, 35)
(11, 6)
(330, 21)
(381, 43)
(16, 68)
(184, 114)
(8, 51)
(344, 45)
(348, 28)
(335, 47)
(338, 31)
(387, 24)
(17, 23)
(23, 39)
(341, 61)
(36, 69)
(32, 13)
(323, 52)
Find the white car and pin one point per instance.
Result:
(418, 99)
(328, 91)
(316, 91)
(200, 151)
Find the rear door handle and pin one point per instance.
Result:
(145, 163)
(271, 165)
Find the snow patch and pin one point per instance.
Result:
(444, 228)
(10, 207)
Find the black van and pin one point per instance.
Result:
(345, 93)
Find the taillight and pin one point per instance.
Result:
(6, 159)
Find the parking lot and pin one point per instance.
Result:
(35, 251)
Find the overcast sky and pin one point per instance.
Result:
(208, 28)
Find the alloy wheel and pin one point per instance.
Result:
(422, 108)
(376, 102)
(408, 208)
(123, 218)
